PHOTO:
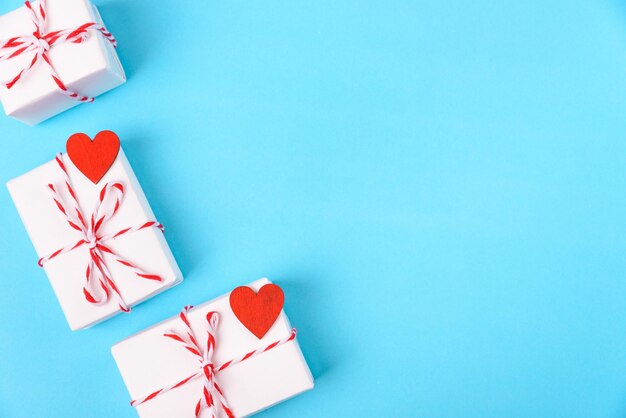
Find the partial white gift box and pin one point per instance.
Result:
(148, 362)
(90, 68)
(49, 231)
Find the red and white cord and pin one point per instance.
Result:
(40, 43)
(212, 395)
(99, 284)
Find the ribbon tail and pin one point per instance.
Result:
(210, 402)
(198, 408)
(24, 72)
(139, 272)
(94, 289)
(223, 402)
(107, 279)
(61, 86)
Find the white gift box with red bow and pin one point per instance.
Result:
(49, 231)
(86, 62)
(150, 362)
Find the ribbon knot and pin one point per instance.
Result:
(99, 285)
(40, 42)
(91, 240)
(212, 399)
(208, 369)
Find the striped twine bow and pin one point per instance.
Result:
(97, 291)
(212, 395)
(40, 43)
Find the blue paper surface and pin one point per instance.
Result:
(438, 186)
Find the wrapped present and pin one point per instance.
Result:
(230, 357)
(94, 231)
(54, 55)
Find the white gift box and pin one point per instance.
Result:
(49, 231)
(148, 362)
(89, 68)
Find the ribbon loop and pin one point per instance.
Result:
(99, 285)
(41, 42)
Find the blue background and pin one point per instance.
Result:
(439, 187)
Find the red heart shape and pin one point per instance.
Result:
(93, 158)
(257, 311)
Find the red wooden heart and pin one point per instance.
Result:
(257, 311)
(93, 158)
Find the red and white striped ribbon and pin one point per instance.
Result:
(212, 395)
(99, 284)
(40, 43)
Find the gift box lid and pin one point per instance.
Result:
(91, 67)
(49, 231)
(149, 361)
